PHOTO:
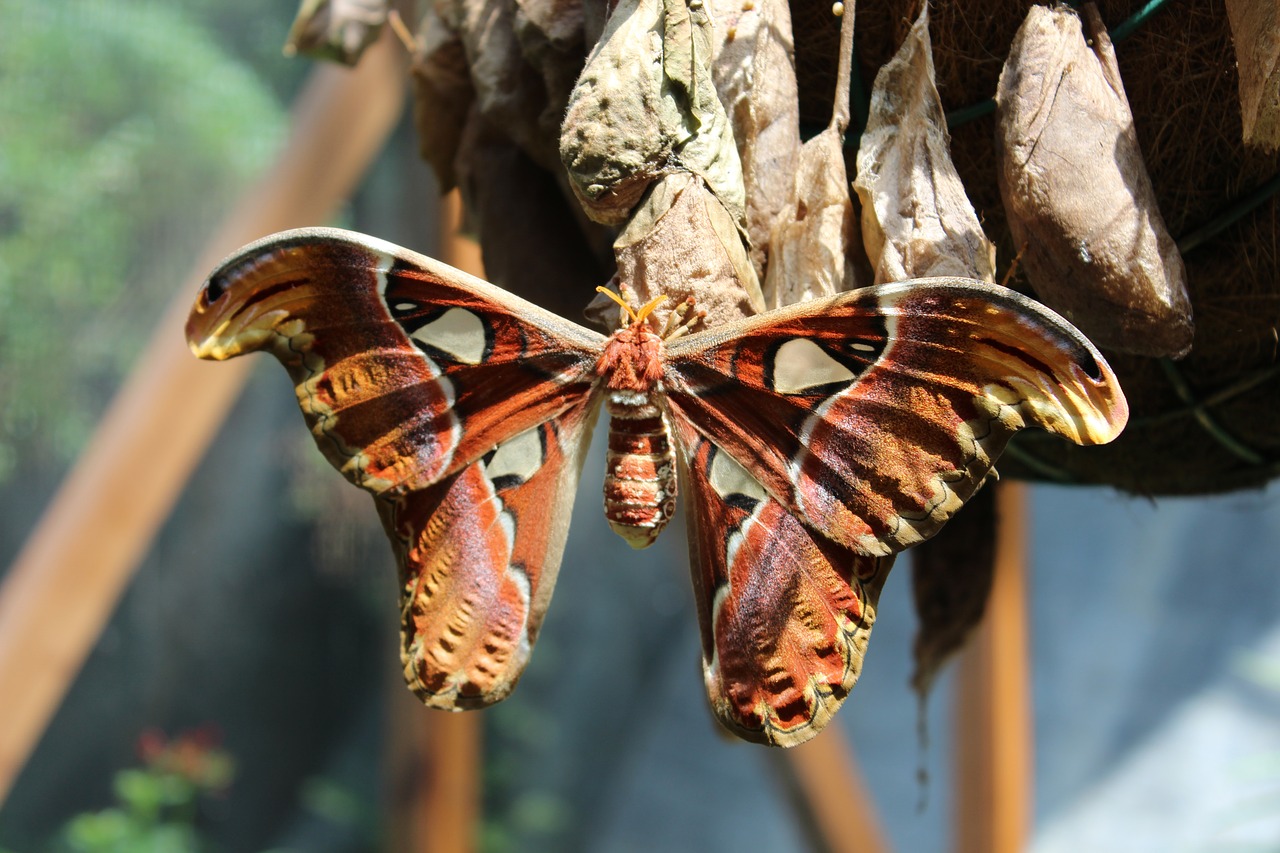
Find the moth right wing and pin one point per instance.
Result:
(785, 614)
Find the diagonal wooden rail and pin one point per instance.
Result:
(994, 738)
(64, 584)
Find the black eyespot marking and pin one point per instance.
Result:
(214, 288)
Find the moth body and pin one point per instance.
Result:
(640, 470)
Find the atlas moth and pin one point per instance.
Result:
(812, 444)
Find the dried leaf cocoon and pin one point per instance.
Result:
(683, 242)
(442, 96)
(646, 105)
(509, 91)
(917, 220)
(809, 246)
(755, 74)
(1077, 193)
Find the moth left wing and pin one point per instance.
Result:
(874, 415)
(785, 614)
(462, 409)
(406, 369)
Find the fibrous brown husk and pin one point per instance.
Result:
(1179, 74)
(1076, 191)
(1255, 28)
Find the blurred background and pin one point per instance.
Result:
(254, 649)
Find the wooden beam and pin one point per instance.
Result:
(65, 582)
(830, 797)
(434, 761)
(994, 733)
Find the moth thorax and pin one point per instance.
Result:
(640, 472)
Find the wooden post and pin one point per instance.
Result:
(435, 759)
(831, 797)
(994, 734)
(64, 584)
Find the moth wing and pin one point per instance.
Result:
(462, 409)
(874, 415)
(479, 552)
(406, 369)
(785, 614)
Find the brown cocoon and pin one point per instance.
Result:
(681, 242)
(1255, 29)
(1077, 193)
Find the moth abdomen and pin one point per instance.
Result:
(640, 473)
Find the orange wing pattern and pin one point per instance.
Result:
(785, 614)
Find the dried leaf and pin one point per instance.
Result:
(1255, 29)
(812, 234)
(916, 218)
(682, 242)
(336, 30)
(551, 40)
(645, 106)
(443, 96)
(559, 23)
(1077, 193)
(755, 75)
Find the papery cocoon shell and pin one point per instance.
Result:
(1255, 29)
(917, 220)
(682, 242)
(1077, 193)
(550, 33)
(509, 91)
(645, 105)
(809, 245)
(754, 72)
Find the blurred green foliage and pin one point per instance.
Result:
(157, 804)
(125, 129)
